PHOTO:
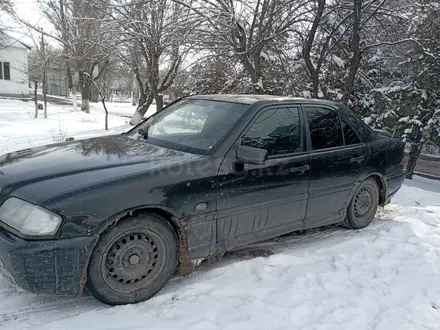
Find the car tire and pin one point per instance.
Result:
(133, 260)
(363, 205)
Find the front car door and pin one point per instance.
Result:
(337, 157)
(257, 202)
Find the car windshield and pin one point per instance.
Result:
(190, 125)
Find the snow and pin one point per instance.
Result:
(415, 122)
(19, 129)
(386, 90)
(404, 120)
(338, 61)
(336, 92)
(306, 94)
(383, 277)
(368, 120)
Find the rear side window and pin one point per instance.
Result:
(325, 128)
(350, 135)
(362, 129)
(278, 131)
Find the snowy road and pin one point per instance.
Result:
(383, 277)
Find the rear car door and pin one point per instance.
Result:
(337, 157)
(257, 202)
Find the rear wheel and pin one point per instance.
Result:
(133, 260)
(363, 206)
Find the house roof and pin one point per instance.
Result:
(7, 41)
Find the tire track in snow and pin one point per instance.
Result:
(39, 308)
(276, 245)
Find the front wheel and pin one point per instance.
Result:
(363, 206)
(133, 260)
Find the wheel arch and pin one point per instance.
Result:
(185, 266)
(381, 184)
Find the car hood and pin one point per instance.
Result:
(95, 159)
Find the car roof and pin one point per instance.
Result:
(254, 98)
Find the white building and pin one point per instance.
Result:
(14, 80)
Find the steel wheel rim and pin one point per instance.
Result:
(133, 260)
(363, 202)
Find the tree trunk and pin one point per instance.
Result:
(355, 49)
(141, 110)
(36, 99)
(313, 72)
(136, 96)
(75, 102)
(85, 96)
(45, 93)
(45, 104)
(255, 74)
(159, 102)
(94, 95)
(414, 154)
(412, 160)
(106, 113)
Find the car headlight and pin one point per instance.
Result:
(29, 219)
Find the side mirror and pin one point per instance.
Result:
(250, 155)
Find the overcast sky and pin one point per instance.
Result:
(28, 11)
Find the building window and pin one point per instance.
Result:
(5, 71)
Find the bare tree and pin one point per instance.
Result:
(5, 7)
(248, 29)
(313, 69)
(155, 32)
(39, 61)
(341, 33)
(86, 36)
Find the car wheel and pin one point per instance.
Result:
(133, 260)
(363, 206)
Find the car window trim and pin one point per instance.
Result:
(355, 132)
(272, 107)
(361, 128)
(337, 148)
(289, 155)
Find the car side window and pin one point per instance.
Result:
(277, 130)
(325, 128)
(349, 134)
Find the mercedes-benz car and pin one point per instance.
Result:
(121, 214)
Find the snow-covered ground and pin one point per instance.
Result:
(19, 129)
(384, 277)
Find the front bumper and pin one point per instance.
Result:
(46, 266)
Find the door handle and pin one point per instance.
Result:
(299, 169)
(357, 159)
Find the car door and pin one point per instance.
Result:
(256, 202)
(337, 157)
